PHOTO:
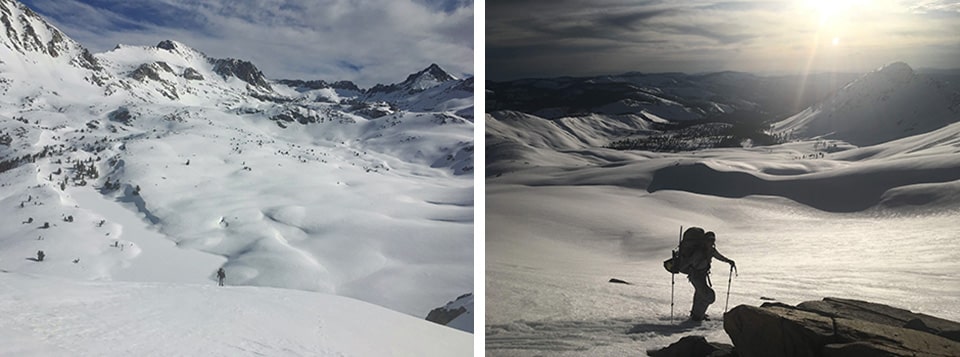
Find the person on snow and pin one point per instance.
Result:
(699, 275)
(221, 275)
(40, 255)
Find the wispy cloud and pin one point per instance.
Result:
(368, 41)
(533, 38)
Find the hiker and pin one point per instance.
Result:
(40, 255)
(699, 275)
(220, 275)
(696, 252)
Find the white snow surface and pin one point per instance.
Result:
(803, 220)
(49, 316)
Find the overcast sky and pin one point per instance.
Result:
(366, 41)
(529, 38)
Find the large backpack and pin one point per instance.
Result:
(693, 254)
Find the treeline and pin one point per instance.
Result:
(698, 135)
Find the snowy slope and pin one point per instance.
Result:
(165, 319)
(890, 103)
(516, 140)
(160, 164)
(803, 220)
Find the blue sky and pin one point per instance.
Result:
(366, 41)
(529, 38)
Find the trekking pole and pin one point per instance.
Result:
(673, 277)
(672, 283)
(729, 280)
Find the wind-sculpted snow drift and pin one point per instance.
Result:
(813, 216)
(326, 188)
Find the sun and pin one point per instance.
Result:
(835, 41)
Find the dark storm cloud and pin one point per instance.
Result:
(743, 6)
(520, 31)
(529, 38)
(719, 35)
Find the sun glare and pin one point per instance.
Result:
(836, 41)
(828, 9)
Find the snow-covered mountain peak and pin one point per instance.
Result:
(889, 103)
(25, 31)
(187, 52)
(895, 70)
(168, 45)
(429, 77)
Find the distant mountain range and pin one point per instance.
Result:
(675, 111)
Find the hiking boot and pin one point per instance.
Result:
(700, 318)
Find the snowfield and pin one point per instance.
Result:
(803, 220)
(48, 316)
(556, 235)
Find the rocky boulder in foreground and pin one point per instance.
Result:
(839, 327)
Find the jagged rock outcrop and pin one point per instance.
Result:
(192, 74)
(244, 70)
(167, 45)
(297, 114)
(443, 316)
(320, 84)
(150, 70)
(838, 327)
(457, 314)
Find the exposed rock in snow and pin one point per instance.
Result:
(693, 346)
(838, 327)
(457, 314)
(244, 70)
(320, 84)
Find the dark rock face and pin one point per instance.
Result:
(146, 70)
(693, 346)
(443, 316)
(86, 60)
(192, 74)
(167, 45)
(883, 314)
(320, 84)
(838, 327)
(297, 114)
(121, 115)
(244, 70)
(348, 85)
